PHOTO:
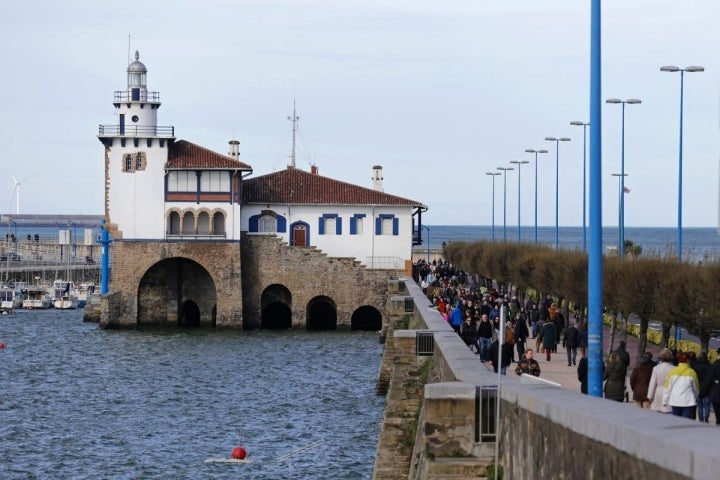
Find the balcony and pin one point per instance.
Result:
(136, 131)
(126, 96)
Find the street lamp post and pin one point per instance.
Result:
(631, 101)
(557, 185)
(493, 174)
(505, 170)
(530, 150)
(621, 219)
(672, 68)
(428, 243)
(519, 164)
(584, 125)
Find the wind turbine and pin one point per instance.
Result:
(16, 192)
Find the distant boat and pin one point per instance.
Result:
(36, 298)
(10, 299)
(66, 296)
(84, 291)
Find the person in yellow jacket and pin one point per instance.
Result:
(681, 388)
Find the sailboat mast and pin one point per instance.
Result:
(294, 120)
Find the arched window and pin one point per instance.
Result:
(188, 224)
(218, 224)
(139, 161)
(128, 163)
(173, 227)
(203, 223)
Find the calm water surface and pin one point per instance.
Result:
(82, 403)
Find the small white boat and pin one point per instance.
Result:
(10, 299)
(84, 291)
(36, 298)
(65, 295)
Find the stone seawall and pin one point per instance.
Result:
(544, 431)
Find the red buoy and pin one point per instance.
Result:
(239, 453)
(2, 345)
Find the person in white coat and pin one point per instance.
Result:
(656, 387)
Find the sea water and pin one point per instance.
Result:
(78, 402)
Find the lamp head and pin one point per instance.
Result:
(564, 139)
(551, 139)
(669, 68)
(694, 68)
(633, 100)
(578, 123)
(530, 150)
(613, 100)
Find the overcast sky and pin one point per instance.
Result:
(438, 93)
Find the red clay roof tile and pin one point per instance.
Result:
(185, 155)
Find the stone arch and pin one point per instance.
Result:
(173, 222)
(367, 318)
(218, 223)
(203, 222)
(321, 314)
(276, 307)
(188, 223)
(176, 292)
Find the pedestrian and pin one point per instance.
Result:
(583, 338)
(582, 372)
(682, 388)
(528, 365)
(456, 319)
(538, 333)
(640, 380)
(614, 377)
(711, 387)
(570, 342)
(549, 338)
(521, 334)
(484, 337)
(506, 356)
(656, 387)
(702, 368)
(534, 313)
(468, 333)
(623, 354)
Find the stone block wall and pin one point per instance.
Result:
(307, 273)
(132, 260)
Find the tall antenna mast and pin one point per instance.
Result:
(129, 60)
(294, 120)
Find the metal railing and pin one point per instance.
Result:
(136, 131)
(424, 343)
(486, 405)
(143, 96)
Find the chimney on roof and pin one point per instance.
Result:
(377, 178)
(234, 152)
(314, 169)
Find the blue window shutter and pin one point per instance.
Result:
(353, 225)
(338, 225)
(396, 226)
(321, 226)
(253, 227)
(281, 224)
(378, 226)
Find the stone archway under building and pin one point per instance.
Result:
(321, 314)
(276, 308)
(176, 292)
(366, 318)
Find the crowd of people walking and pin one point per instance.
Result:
(679, 383)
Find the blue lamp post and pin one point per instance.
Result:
(584, 125)
(530, 150)
(519, 164)
(493, 174)
(672, 68)
(631, 101)
(557, 185)
(505, 170)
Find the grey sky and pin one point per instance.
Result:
(437, 93)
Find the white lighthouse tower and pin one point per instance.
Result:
(136, 150)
